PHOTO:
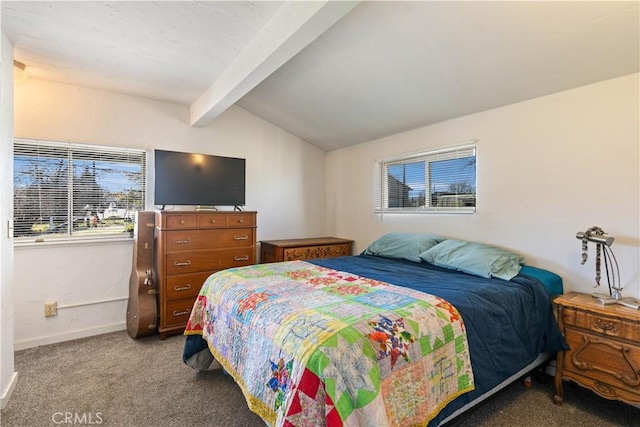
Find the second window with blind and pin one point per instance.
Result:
(435, 181)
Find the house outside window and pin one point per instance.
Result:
(436, 181)
(69, 191)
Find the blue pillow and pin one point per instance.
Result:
(407, 246)
(551, 281)
(474, 258)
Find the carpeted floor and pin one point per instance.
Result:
(113, 380)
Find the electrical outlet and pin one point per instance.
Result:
(50, 309)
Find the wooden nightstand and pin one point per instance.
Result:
(605, 348)
(301, 249)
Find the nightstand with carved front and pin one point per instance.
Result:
(604, 343)
(302, 249)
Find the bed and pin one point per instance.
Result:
(413, 331)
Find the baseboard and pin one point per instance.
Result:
(68, 336)
(9, 390)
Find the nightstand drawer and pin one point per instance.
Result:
(610, 326)
(314, 252)
(302, 249)
(601, 360)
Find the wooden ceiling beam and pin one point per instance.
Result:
(292, 28)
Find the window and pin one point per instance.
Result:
(68, 190)
(438, 181)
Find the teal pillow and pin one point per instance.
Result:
(551, 281)
(407, 246)
(474, 258)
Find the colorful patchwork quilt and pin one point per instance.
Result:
(309, 345)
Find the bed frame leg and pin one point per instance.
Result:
(539, 374)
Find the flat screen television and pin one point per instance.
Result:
(198, 179)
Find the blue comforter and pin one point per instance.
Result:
(509, 323)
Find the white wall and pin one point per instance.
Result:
(285, 184)
(8, 376)
(546, 169)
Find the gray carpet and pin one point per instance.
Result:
(113, 380)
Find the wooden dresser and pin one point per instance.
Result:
(301, 249)
(189, 246)
(605, 348)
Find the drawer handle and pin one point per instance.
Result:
(605, 325)
(213, 221)
(240, 237)
(241, 221)
(181, 241)
(182, 263)
(604, 389)
(182, 221)
(181, 288)
(241, 258)
(181, 313)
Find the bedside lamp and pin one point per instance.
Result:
(603, 250)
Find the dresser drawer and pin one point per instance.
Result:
(242, 220)
(212, 220)
(314, 252)
(181, 221)
(185, 285)
(187, 240)
(215, 220)
(601, 324)
(603, 360)
(208, 260)
(177, 312)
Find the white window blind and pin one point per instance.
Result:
(437, 181)
(69, 190)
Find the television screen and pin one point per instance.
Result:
(198, 179)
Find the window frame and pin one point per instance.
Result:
(381, 196)
(76, 152)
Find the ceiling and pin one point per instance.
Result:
(332, 73)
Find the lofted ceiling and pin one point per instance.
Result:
(332, 73)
